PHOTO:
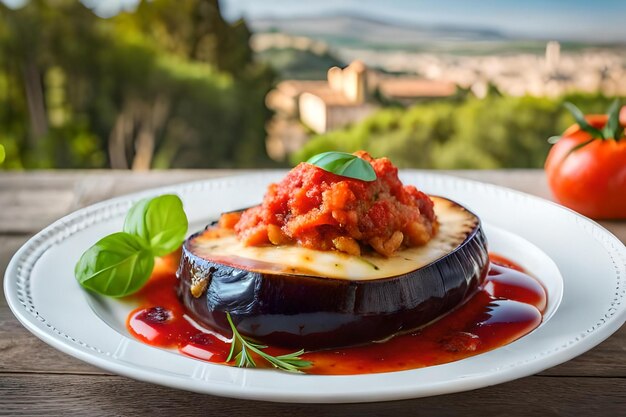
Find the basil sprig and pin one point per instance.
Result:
(344, 164)
(160, 221)
(117, 265)
(121, 263)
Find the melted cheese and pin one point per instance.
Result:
(455, 225)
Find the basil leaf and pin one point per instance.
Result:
(117, 265)
(160, 221)
(582, 122)
(344, 164)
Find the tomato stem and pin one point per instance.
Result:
(611, 130)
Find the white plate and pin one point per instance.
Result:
(549, 240)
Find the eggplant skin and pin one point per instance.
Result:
(311, 312)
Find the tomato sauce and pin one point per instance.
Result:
(508, 305)
(320, 210)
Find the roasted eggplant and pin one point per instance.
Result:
(296, 297)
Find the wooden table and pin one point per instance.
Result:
(36, 379)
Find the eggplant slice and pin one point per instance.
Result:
(296, 297)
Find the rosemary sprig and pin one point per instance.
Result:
(241, 349)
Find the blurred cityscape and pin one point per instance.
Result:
(350, 95)
(165, 84)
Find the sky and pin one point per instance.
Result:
(584, 20)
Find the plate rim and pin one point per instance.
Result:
(67, 226)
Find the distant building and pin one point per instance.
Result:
(407, 90)
(339, 102)
(284, 98)
(347, 96)
(553, 55)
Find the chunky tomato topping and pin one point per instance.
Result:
(320, 210)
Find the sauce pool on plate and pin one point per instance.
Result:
(506, 306)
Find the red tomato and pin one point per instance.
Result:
(591, 179)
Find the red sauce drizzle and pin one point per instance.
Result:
(507, 306)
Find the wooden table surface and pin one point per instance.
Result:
(36, 379)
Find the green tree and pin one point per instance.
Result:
(171, 84)
(495, 132)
